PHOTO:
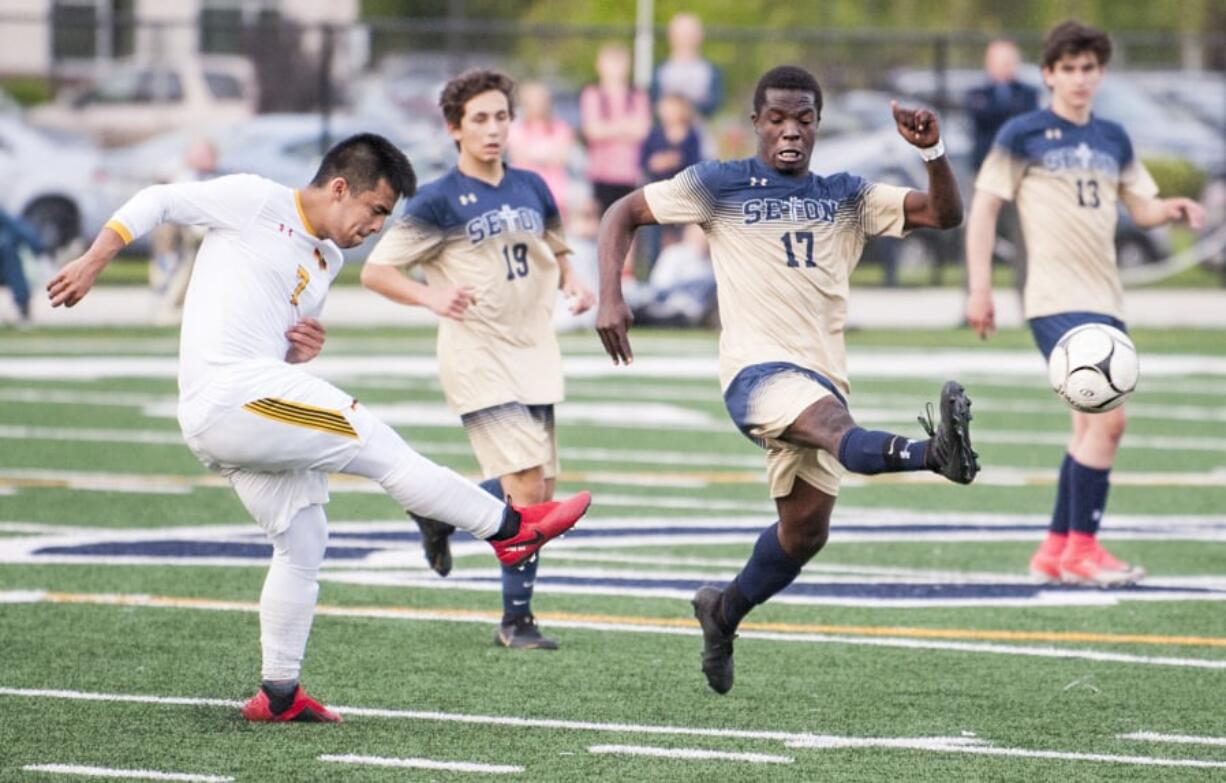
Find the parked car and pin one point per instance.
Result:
(884, 156)
(1157, 129)
(136, 101)
(53, 186)
(286, 148)
(1203, 93)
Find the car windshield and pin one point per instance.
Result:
(223, 86)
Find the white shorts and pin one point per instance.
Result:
(279, 446)
(513, 437)
(764, 400)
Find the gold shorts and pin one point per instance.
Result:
(763, 401)
(513, 437)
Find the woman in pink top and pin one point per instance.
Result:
(540, 142)
(616, 119)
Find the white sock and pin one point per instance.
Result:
(423, 487)
(287, 602)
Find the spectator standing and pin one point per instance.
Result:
(14, 234)
(686, 72)
(541, 142)
(1003, 96)
(616, 119)
(673, 145)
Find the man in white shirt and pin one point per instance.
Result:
(260, 280)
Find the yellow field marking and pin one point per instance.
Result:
(656, 622)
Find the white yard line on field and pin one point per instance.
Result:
(417, 763)
(688, 754)
(629, 456)
(651, 625)
(796, 740)
(1175, 739)
(933, 364)
(501, 720)
(124, 774)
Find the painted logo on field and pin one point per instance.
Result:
(582, 564)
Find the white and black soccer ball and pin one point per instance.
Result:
(1094, 368)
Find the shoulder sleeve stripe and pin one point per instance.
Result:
(120, 229)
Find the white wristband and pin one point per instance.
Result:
(930, 154)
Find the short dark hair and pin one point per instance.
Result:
(1073, 38)
(463, 88)
(786, 77)
(365, 159)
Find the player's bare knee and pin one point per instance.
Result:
(526, 487)
(822, 425)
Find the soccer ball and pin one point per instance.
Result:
(1094, 368)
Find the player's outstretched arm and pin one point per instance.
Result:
(444, 301)
(980, 239)
(1155, 212)
(613, 318)
(941, 206)
(74, 281)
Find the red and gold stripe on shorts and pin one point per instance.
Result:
(300, 414)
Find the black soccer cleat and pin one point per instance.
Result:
(522, 633)
(949, 450)
(716, 644)
(435, 543)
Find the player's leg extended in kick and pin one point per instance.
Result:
(1081, 499)
(431, 491)
(804, 509)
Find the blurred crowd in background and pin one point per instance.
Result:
(71, 161)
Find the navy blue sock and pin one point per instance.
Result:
(517, 584)
(768, 571)
(494, 487)
(1064, 489)
(517, 581)
(872, 451)
(1088, 496)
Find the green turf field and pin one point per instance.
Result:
(913, 648)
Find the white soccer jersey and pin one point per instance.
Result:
(259, 270)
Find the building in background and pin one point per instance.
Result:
(70, 39)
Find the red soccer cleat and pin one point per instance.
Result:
(539, 524)
(303, 709)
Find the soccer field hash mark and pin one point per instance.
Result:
(795, 740)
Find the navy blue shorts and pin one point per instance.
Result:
(741, 391)
(1048, 330)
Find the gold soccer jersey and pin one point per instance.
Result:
(1068, 181)
(260, 269)
(783, 248)
(503, 241)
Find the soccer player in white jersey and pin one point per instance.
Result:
(1068, 170)
(489, 238)
(783, 244)
(247, 411)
